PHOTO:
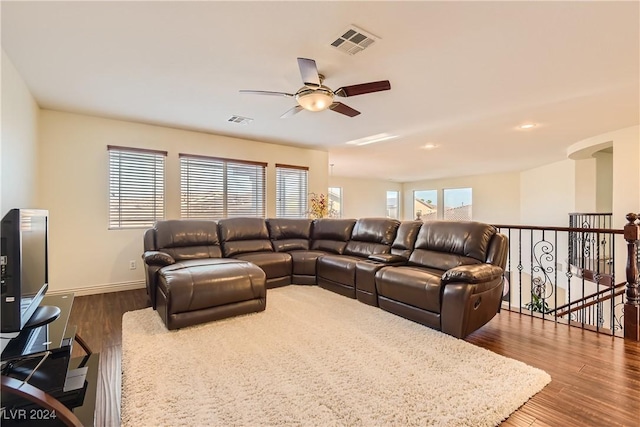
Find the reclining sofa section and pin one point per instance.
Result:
(447, 275)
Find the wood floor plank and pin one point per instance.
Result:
(108, 411)
(595, 378)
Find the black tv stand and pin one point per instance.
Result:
(61, 391)
(43, 315)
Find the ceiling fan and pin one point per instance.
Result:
(314, 96)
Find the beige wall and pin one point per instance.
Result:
(85, 254)
(626, 175)
(594, 183)
(604, 182)
(626, 183)
(364, 197)
(585, 185)
(18, 149)
(496, 197)
(548, 194)
(625, 168)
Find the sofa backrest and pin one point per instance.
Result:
(498, 251)
(241, 235)
(289, 234)
(405, 238)
(447, 244)
(185, 239)
(371, 236)
(331, 235)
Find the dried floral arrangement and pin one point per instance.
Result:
(320, 206)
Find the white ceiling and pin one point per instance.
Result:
(463, 75)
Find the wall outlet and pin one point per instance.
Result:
(132, 265)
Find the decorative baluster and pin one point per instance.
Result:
(632, 304)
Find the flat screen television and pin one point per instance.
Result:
(24, 266)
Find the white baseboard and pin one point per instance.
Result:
(101, 289)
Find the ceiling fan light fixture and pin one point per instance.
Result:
(315, 99)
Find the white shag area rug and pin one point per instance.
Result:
(314, 358)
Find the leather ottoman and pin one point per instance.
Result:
(199, 291)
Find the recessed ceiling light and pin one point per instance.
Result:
(372, 139)
(527, 126)
(430, 146)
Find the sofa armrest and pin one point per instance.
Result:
(389, 259)
(472, 273)
(157, 258)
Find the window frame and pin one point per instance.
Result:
(228, 209)
(444, 205)
(337, 212)
(397, 205)
(301, 187)
(414, 212)
(122, 218)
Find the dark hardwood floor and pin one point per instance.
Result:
(595, 378)
(99, 321)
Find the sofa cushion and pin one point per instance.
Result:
(244, 235)
(199, 263)
(288, 245)
(274, 264)
(338, 268)
(304, 262)
(447, 244)
(364, 249)
(371, 236)
(237, 247)
(289, 234)
(439, 260)
(376, 230)
(418, 287)
(187, 239)
(405, 238)
(330, 246)
(243, 229)
(331, 235)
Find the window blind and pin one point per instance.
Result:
(215, 188)
(291, 191)
(136, 187)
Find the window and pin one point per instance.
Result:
(392, 204)
(215, 188)
(335, 202)
(136, 187)
(458, 204)
(425, 205)
(291, 191)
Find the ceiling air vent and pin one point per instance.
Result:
(240, 120)
(354, 40)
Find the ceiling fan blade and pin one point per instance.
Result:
(291, 112)
(309, 72)
(341, 108)
(266, 92)
(363, 88)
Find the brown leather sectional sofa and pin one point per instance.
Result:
(444, 274)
